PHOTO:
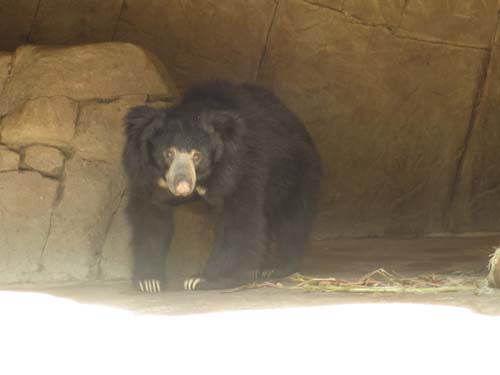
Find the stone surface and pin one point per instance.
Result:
(221, 39)
(25, 207)
(99, 134)
(16, 18)
(465, 22)
(116, 260)
(383, 12)
(5, 60)
(333, 4)
(81, 219)
(42, 120)
(477, 204)
(63, 115)
(9, 160)
(75, 21)
(47, 160)
(94, 71)
(390, 135)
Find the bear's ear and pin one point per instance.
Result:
(228, 128)
(227, 124)
(138, 119)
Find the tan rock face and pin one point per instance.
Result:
(332, 4)
(57, 216)
(464, 22)
(477, 204)
(389, 116)
(219, 39)
(5, 60)
(99, 135)
(9, 160)
(25, 210)
(75, 21)
(81, 218)
(16, 19)
(383, 12)
(41, 120)
(116, 261)
(47, 160)
(99, 71)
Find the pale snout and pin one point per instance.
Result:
(183, 189)
(181, 176)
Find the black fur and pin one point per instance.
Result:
(259, 166)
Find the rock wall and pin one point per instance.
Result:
(62, 188)
(393, 98)
(401, 96)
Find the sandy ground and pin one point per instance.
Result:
(110, 329)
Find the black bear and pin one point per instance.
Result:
(238, 148)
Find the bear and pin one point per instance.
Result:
(239, 149)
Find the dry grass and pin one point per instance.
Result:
(378, 281)
(493, 267)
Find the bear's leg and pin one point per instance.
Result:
(293, 228)
(152, 229)
(240, 243)
(292, 238)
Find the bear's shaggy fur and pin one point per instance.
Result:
(247, 156)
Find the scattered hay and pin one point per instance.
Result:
(378, 281)
(494, 269)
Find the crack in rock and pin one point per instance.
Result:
(99, 255)
(266, 43)
(395, 32)
(475, 115)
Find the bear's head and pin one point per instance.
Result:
(184, 143)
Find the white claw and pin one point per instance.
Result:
(267, 274)
(195, 282)
(140, 286)
(190, 284)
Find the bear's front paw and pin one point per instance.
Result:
(193, 283)
(149, 285)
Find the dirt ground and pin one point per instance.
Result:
(106, 328)
(349, 259)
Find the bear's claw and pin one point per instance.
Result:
(150, 285)
(191, 283)
(267, 274)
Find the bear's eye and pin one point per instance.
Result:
(169, 154)
(196, 156)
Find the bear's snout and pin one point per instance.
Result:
(181, 175)
(183, 188)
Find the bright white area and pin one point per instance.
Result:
(42, 334)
